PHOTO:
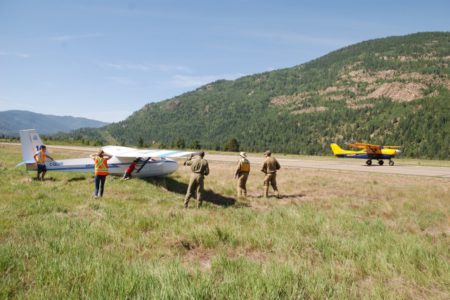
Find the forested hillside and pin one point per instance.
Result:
(392, 90)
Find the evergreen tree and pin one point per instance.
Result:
(232, 145)
(180, 143)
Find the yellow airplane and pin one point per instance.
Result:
(368, 151)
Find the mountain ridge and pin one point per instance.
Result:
(392, 90)
(11, 121)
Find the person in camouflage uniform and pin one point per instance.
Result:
(270, 168)
(241, 174)
(200, 169)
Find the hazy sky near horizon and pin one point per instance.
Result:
(105, 59)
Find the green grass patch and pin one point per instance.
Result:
(333, 238)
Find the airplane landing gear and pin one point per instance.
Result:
(369, 162)
(380, 162)
(391, 162)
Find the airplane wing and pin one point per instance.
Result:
(120, 151)
(368, 147)
(359, 145)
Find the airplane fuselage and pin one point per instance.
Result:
(117, 167)
(369, 154)
(365, 155)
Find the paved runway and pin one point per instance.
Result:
(355, 165)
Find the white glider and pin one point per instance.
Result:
(154, 162)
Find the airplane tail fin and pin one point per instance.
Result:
(336, 149)
(30, 141)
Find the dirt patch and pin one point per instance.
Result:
(26, 180)
(250, 253)
(329, 90)
(199, 256)
(202, 258)
(309, 110)
(92, 211)
(259, 205)
(397, 91)
(192, 254)
(437, 231)
(289, 99)
(336, 97)
(403, 87)
(413, 291)
(416, 76)
(410, 58)
(353, 105)
(361, 84)
(365, 76)
(335, 93)
(362, 75)
(172, 104)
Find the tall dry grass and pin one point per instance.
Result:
(332, 234)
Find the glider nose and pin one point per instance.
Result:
(398, 152)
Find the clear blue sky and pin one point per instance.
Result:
(107, 59)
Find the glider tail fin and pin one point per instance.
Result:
(30, 141)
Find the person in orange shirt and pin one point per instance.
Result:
(101, 171)
(40, 157)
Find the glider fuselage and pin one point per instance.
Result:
(116, 167)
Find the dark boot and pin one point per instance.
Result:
(277, 194)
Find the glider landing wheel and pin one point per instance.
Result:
(369, 162)
(380, 162)
(391, 162)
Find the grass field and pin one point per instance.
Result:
(333, 234)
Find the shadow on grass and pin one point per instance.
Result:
(45, 179)
(291, 196)
(78, 178)
(300, 195)
(175, 186)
